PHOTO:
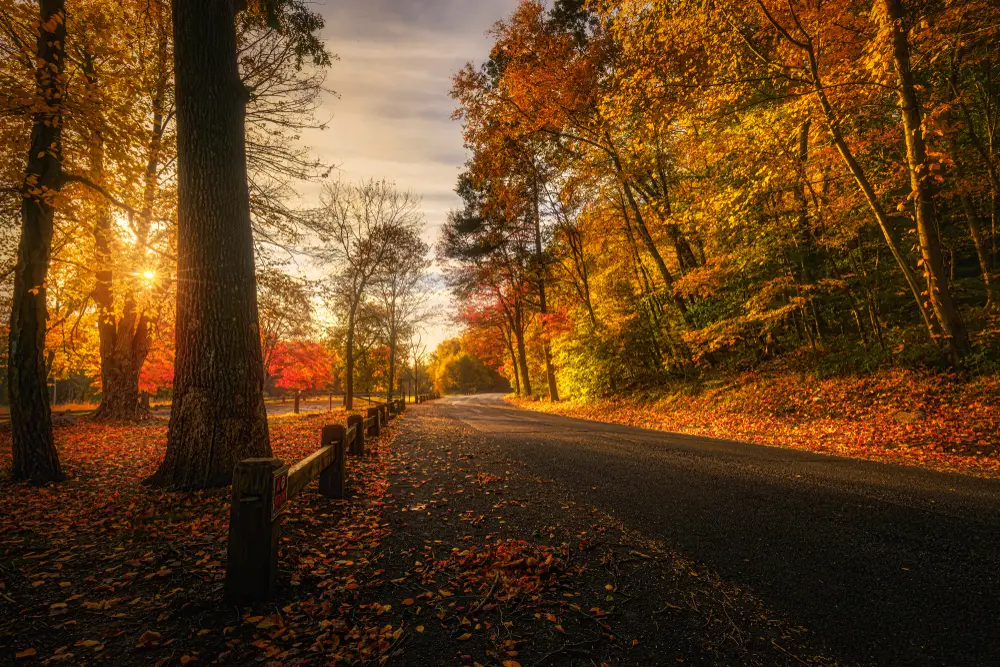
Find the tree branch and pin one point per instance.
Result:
(89, 184)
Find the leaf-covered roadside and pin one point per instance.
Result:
(937, 421)
(105, 570)
(444, 554)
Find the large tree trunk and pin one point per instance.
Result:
(218, 416)
(945, 309)
(124, 348)
(34, 452)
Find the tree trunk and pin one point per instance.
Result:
(392, 363)
(861, 178)
(34, 452)
(349, 361)
(945, 309)
(522, 357)
(119, 371)
(982, 253)
(550, 374)
(124, 348)
(218, 416)
(517, 372)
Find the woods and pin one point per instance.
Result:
(668, 191)
(152, 162)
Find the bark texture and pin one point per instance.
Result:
(944, 307)
(34, 454)
(218, 416)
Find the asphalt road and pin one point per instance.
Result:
(887, 565)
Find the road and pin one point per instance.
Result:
(887, 565)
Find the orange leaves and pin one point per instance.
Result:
(903, 417)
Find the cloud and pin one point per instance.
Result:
(392, 115)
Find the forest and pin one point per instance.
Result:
(664, 193)
(95, 264)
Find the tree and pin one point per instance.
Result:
(284, 308)
(358, 226)
(35, 456)
(400, 293)
(218, 416)
(302, 365)
(454, 369)
(727, 184)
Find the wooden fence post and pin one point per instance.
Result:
(333, 480)
(260, 488)
(358, 446)
(375, 414)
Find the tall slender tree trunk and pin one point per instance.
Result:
(349, 361)
(945, 309)
(978, 240)
(513, 361)
(861, 178)
(392, 364)
(550, 374)
(218, 416)
(965, 199)
(522, 356)
(34, 451)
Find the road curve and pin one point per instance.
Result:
(887, 565)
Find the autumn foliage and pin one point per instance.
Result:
(670, 190)
(302, 365)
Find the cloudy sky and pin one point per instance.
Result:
(392, 116)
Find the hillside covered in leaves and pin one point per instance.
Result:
(662, 192)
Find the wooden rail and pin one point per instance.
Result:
(262, 490)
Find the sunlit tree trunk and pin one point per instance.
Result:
(550, 374)
(34, 453)
(864, 184)
(513, 361)
(945, 309)
(392, 364)
(218, 416)
(522, 356)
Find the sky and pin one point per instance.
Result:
(391, 117)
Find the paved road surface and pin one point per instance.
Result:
(889, 565)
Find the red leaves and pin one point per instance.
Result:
(304, 365)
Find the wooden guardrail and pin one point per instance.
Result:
(262, 489)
